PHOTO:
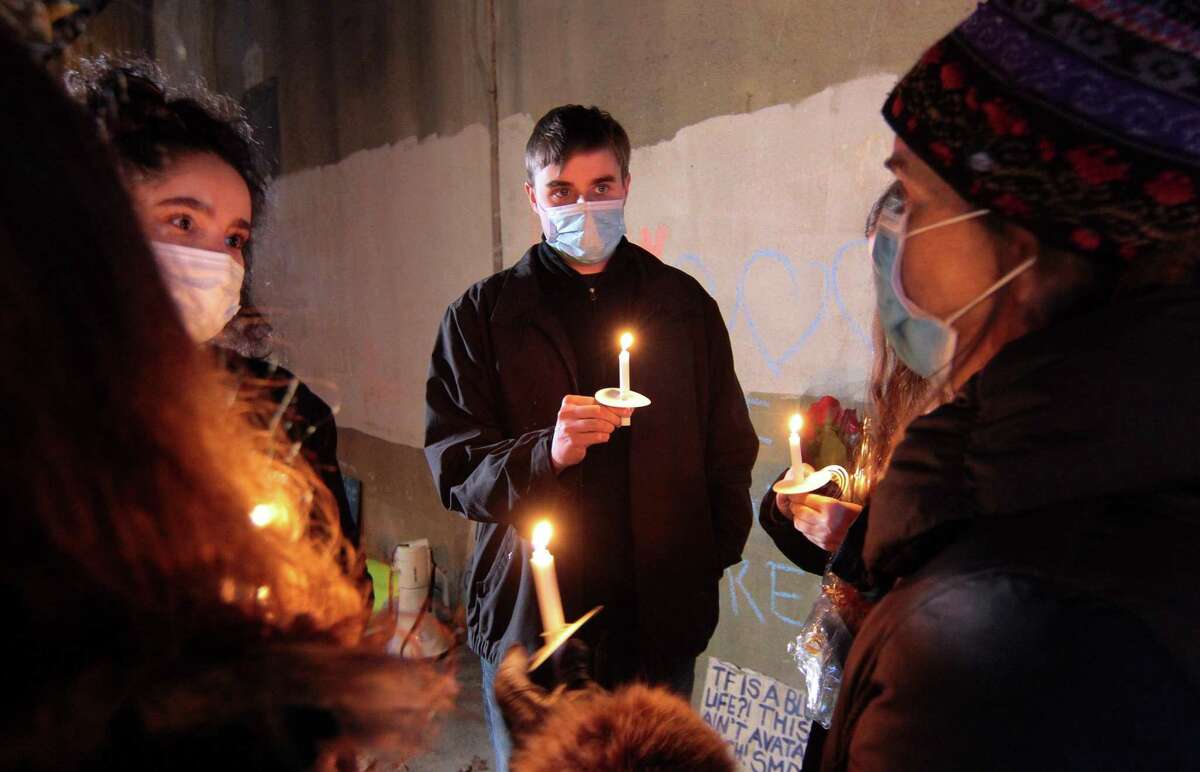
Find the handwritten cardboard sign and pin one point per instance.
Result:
(762, 719)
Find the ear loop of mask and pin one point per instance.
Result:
(944, 372)
(950, 221)
(1000, 282)
(950, 320)
(898, 284)
(1003, 280)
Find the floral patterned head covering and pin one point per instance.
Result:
(1079, 120)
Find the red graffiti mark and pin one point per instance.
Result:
(656, 244)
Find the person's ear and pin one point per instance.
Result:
(626, 181)
(1020, 245)
(532, 194)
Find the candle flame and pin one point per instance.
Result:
(267, 513)
(626, 341)
(541, 534)
(796, 424)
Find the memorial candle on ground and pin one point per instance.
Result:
(545, 580)
(796, 424)
(623, 361)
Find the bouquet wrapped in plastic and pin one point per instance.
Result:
(824, 640)
(820, 651)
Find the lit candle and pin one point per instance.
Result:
(545, 581)
(268, 513)
(626, 342)
(795, 425)
(277, 517)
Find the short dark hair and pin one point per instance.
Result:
(568, 129)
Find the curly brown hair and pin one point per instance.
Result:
(634, 728)
(149, 118)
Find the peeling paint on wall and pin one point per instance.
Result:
(358, 263)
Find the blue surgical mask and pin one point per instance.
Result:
(922, 341)
(586, 232)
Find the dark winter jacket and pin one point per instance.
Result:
(500, 369)
(1041, 538)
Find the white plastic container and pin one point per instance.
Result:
(419, 634)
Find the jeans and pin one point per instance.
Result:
(501, 740)
(679, 676)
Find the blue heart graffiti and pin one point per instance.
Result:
(830, 290)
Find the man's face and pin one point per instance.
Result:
(587, 175)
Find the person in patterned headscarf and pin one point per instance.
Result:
(1032, 544)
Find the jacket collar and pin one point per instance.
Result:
(521, 299)
(1098, 406)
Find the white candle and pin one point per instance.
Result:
(623, 360)
(795, 425)
(545, 581)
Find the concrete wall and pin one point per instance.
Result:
(758, 149)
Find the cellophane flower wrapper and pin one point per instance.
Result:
(820, 653)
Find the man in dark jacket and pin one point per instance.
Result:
(647, 517)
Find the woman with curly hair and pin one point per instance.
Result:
(191, 163)
(167, 604)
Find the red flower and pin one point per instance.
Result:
(1085, 238)
(1012, 205)
(1046, 149)
(943, 152)
(933, 55)
(972, 99)
(1171, 188)
(953, 77)
(1096, 164)
(1002, 120)
(912, 123)
(897, 106)
(1128, 251)
(826, 409)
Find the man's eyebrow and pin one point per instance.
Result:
(240, 223)
(895, 163)
(558, 184)
(605, 178)
(188, 201)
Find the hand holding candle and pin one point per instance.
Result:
(545, 580)
(623, 397)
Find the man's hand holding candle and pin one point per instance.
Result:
(582, 423)
(823, 520)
